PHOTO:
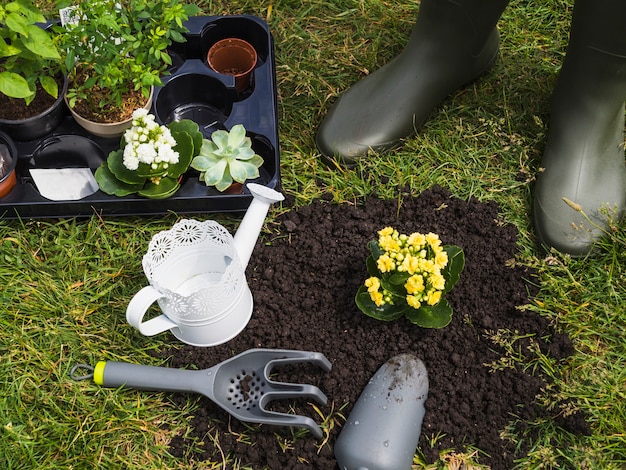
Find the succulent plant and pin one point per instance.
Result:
(227, 157)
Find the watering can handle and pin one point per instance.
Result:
(137, 308)
(112, 374)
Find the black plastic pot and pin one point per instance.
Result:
(196, 96)
(38, 126)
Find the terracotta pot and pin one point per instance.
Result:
(8, 151)
(35, 127)
(236, 57)
(235, 188)
(107, 129)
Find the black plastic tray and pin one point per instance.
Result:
(194, 92)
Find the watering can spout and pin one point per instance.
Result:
(252, 222)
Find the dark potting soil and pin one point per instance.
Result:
(15, 109)
(303, 277)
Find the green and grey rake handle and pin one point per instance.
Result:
(241, 391)
(113, 374)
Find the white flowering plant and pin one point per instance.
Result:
(227, 157)
(151, 158)
(409, 276)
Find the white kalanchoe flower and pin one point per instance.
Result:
(148, 142)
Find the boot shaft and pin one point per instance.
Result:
(599, 24)
(473, 21)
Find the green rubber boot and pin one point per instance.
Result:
(584, 157)
(453, 43)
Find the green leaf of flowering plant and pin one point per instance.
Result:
(395, 288)
(456, 264)
(190, 127)
(396, 279)
(115, 163)
(109, 184)
(372, 268)
(146, 171)
(375, 249)
(165, 188)
(386, 312)
(184, 147)
(436, 316)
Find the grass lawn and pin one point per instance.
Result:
(65, 284)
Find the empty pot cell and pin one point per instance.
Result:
(237, 27)
(67, 151)
(198, 97)
(262, 146)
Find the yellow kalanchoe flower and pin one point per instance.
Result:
(372, 284)
(386, 263)
(433, 240)
(438, 282)
(415, 284)
(377, 298)
(416, 240)
(413, 302)
(441, 258)
(434, 297)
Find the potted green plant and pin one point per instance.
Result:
(409, 276)
(116, 53)
(32, 82)
(151, 159)
(227, 158)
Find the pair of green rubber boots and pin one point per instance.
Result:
(581, 184)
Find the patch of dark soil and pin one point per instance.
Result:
(15, 109)
(303, 279)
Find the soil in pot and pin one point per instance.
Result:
(15, 109)
(303, 277)
(90, 110)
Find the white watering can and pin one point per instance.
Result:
(196, 272)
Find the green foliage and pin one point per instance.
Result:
(226, 157)
(119, 46)
(28, 53)
(158, 182)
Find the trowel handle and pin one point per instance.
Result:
(113, 374)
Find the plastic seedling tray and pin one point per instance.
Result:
(191, 91)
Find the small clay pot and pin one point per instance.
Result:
(236, 57)
(8, 151)
(235, 188)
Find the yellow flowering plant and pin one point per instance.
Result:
(409, 276)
